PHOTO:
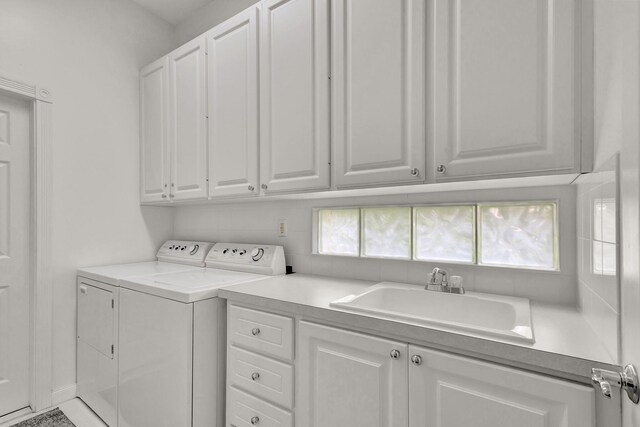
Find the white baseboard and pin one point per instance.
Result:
(63, 394)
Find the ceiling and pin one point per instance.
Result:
(172, 11)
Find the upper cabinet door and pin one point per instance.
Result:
(232, 67)
(378, 91)
(187, 124)
(154, 158)
(453, 391)
(504, 87)
(294, 91)
(349, 379)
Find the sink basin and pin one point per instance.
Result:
(484, 314)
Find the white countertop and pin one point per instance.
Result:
(565, 344)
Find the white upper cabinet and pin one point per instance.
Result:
(452, 391)
(232, 67)
(294, 95)
(378, 91)
(505, 88)
(349, 379)
(187, 120)
(154, 157)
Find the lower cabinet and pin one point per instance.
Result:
(453, 391)
(349, 379)
(345, 378)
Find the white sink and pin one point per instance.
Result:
(484, 314)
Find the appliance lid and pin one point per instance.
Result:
(189, 286)
(113, 274)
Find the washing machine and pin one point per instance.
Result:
(97, 319)
(173, 338)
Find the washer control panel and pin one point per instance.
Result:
(184, 252)
(263, 259)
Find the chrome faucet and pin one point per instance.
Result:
(439, 282)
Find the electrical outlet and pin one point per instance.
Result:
(282, 228)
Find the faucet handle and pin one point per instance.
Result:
(456, 281)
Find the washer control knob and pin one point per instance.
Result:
(224, 251)
(194, 249)
(242, 252)
(256, 254)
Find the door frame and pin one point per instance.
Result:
(40, 275)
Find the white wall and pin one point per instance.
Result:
(87, 53)
(257, 222)
(209, 16)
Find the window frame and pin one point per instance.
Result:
(476, 236)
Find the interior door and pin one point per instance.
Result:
(618, 33)
(188, 120)
(377, 91)
(232, 67)
(15, 118)
(294, 95)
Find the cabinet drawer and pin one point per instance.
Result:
(261, 376)
(246, 411)
(266, 333)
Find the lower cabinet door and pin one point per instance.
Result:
(244, 410)
(454, 391)
(349, 379)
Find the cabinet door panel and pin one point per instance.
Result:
(187, 112)
(349, 379)
(232, 66)
(453, 391)
(294, 88)
(378, 91)
(154, 157)
(504, 87)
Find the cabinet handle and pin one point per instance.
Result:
(415, 172)
(250, 188)
(255, 420)
(416, 360)
(264, 186)
(441, 169)
(164, 196)
(255, 376)
(395, 354)
(255, 331)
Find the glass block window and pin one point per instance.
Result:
(518, 235)
(445, 233)
(386, 232)
(515, 235)
(339, 232)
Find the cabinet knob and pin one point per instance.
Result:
(415, 172)
(441, 169)
(264, 186)
(250, 188)
(255, 420)
(255, 376)
(416, 360)
(255, 331)
(395, 354)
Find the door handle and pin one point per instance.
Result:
(626, 380)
